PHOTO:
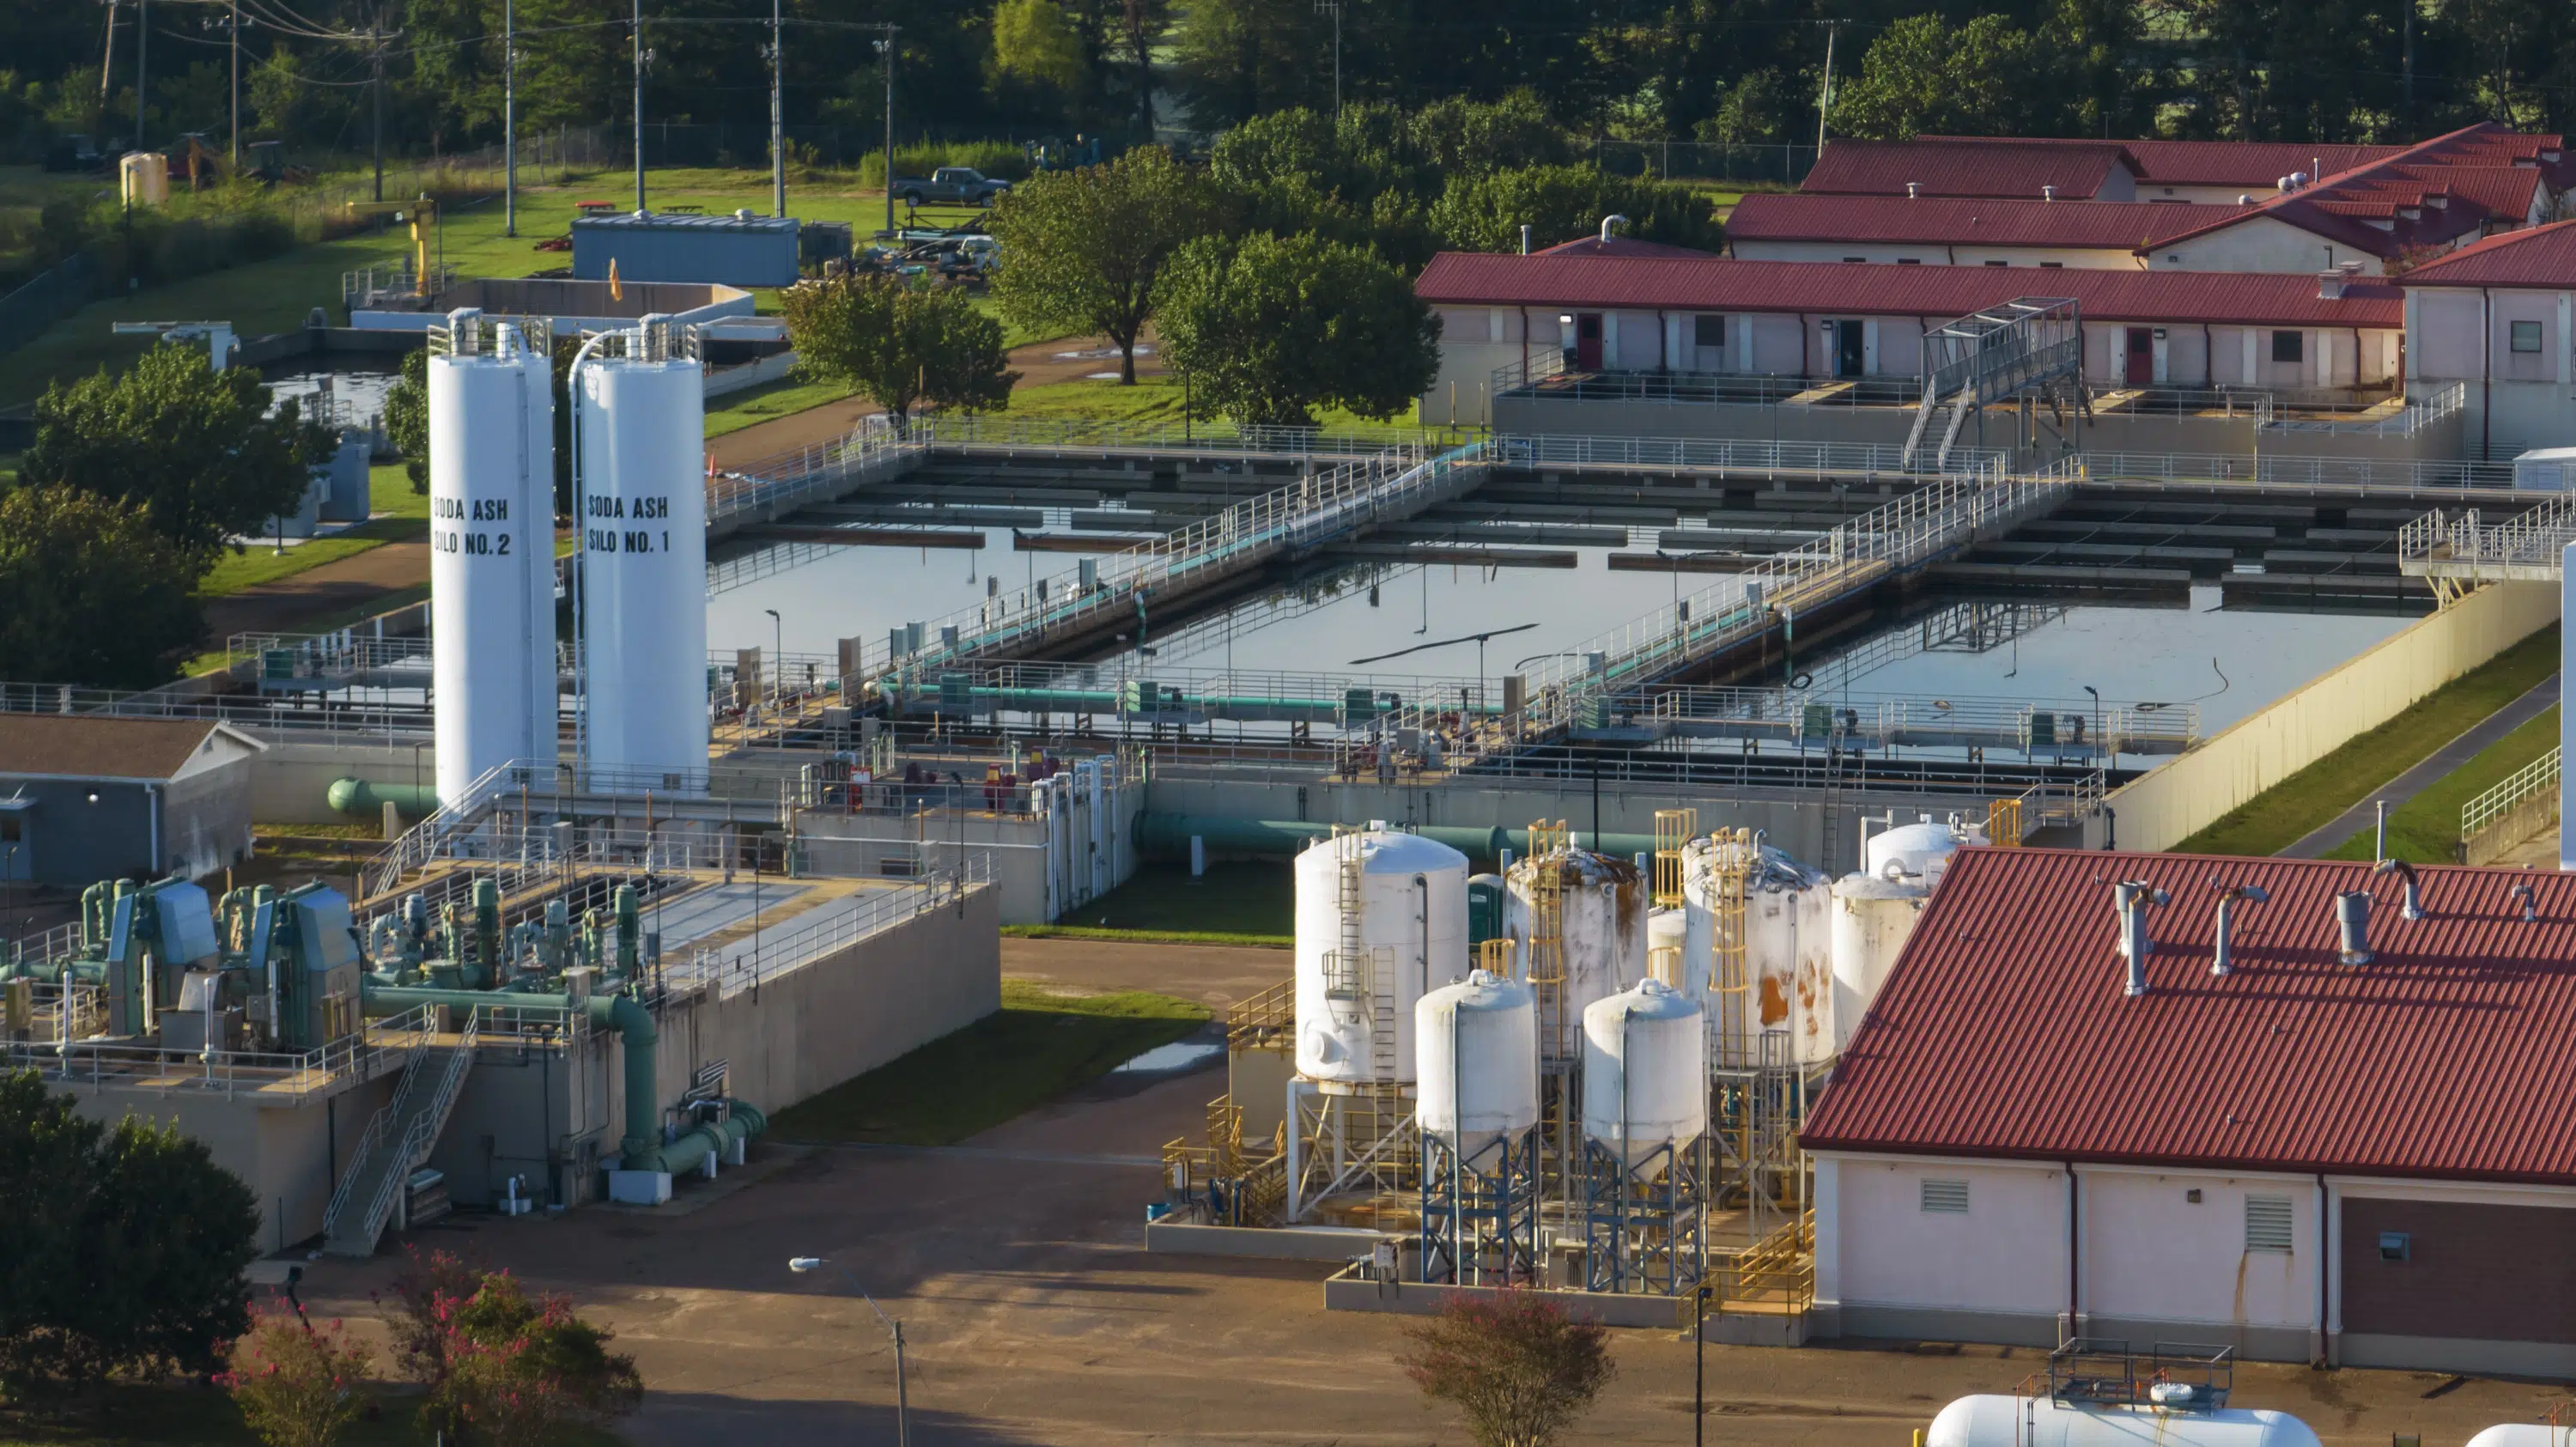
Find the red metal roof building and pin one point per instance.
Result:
(1937, 221)
(2371, 1162)
(2001, 168)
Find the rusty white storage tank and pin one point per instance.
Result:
(1601, 909)
(1788, 952)
(1995, 1420)
(1479, 1061)
(1645, 1071)
(1381, 919)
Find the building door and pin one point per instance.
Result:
(1587, 341)
(1850, 356)
(2141, 368)
(17, 851)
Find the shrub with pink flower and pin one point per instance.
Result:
(516, 1369)
(296, 1385)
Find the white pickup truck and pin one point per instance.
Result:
(951, 186)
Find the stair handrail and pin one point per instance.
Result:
(377, 1129)
(422, 1134)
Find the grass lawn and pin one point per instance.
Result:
(1036, 1047)
(402, 515)
(1245, 901)
(1153, 400)
(767, 403)
(2280, 815)
(2426, 828)
(150, 1416)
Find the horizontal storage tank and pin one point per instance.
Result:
(2525, 1434)
(1919, 851)
(1407, 901)
(1788, 948)
(1601, 921)
(2000, 1421)
(1645, 1071)
(1479, 1061)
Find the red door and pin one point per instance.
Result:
(2141, 369)
(1587, 341)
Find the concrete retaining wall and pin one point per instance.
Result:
(2229, 768)
(1262, 1243)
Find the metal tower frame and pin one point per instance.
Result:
(1480, 1211)
(2029, 348)
(1645, 1225)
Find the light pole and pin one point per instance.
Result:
(641, 56)
(777, 127)
(902, 1412)
(1335, 6)
(777, 650)
(885, 47)
(509, 118)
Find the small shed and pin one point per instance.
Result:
(737, 250)
(2545, 469)
(84, 798)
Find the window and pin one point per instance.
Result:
(2192, 1195)
(2052, 266)
(2396, 1246)
(1855, 258)
(2289, 346)
(1909, 261)
(1998, 263)
(1945, 1197)
(2526, 336)
(1708, 331)
(2267, 1223)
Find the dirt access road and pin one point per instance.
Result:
(1032, 1315)
(1039, 364)
(290, 604)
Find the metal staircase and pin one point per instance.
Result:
(398, 1142)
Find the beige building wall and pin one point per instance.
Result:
(2188, 793)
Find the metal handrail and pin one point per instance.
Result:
(2480, 814)
(2276, 469)
(729, 970)
(2536, 537)
(296, 1074)
(422, 1134)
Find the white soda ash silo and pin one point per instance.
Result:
(644, 558)
(1479, 1062)
(1995, 1420)
(1381, 920)
(1874, 911)
(1788, 942)
(1645, 1071)
(1602, 909)
(491, 561)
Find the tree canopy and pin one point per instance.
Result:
(1083, 250)
(1267, 329)
(900, 345)
(90, 594)
(191, 446)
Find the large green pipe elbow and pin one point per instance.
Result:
(634, 1025)
(367, 798)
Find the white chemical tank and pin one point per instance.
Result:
(1872, 919)
(2525, 1434)
(1645, 1071)
(2000, 1421)
(491, 553)
(1479, 1061)
(1668, 930)
(1602, 906)
(1920, 851)
(1411, 926)
(644, 561)
(1788, 945)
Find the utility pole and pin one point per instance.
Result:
(1825, 96)
(2406, 27)
(107, 66)
(1335, 6)
(376, 57)
(777, 119)
(142, 49)
(639, 105)
(885, 47)
(236, 95)
(509, 117)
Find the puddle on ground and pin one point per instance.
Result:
(1173, 1058)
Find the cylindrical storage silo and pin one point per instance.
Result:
(644, 562)
(491, 559)
(1479, 1061)
(1645, 1071)
(1995, 1420)
(1381, 919)
(1872, 917)
(1668, 946)
(1787, 981)
(1600, 906)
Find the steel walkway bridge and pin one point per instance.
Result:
(2456, 552)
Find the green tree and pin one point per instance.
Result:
(90, 594)
(192, 446)
(1033, 41)
(1518, 1367)
(1083, 250)
(1562, 203)
(149, 1239)
(1926, 75)
(900, 345)
(518, 1371)
(297, 1385)
(407, 417)
(1267, 329)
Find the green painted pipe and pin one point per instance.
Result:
(1170, 834)
(367, 798)
(621, 1013)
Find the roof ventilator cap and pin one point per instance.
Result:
(1913, 190)
(2221, 959)
(2048, 193)
(2414, 907)
(2131, 898)
(2330, 285)
(2522, 895)
(1609, 221)
(2352, 915)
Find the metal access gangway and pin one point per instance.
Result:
(2456, 552)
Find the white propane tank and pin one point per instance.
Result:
(1602, 909)
(1918, 852)
(1411, 927)
(1994, 1420)
(2524, 1434)
(644, 560)
(1788, 953)
(1645, 1071)
(1872, 917)
(1479, 1059)
(491, 553)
